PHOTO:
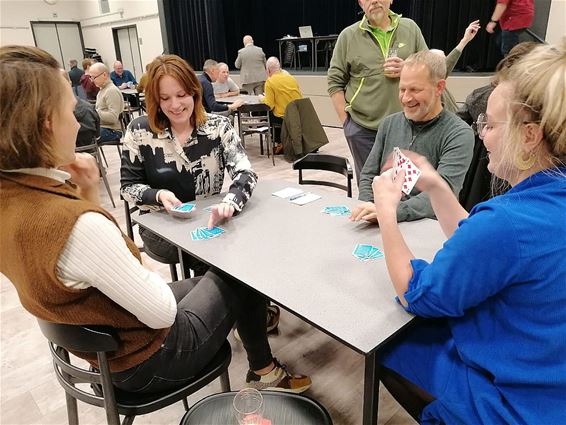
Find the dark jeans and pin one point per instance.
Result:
(509, 39)
(360, 141)
(107, 135)
(207, 308)
(276, 123)
(170, 253)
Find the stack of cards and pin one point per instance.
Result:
(203, 233)
(367, 252)
(336, 210)
(412, 173)
(183, 210)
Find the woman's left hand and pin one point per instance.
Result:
(387, 192)
(220, 212)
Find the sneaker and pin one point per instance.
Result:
(273, 314)
(279, 379)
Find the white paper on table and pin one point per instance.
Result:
(309, 197)
(287, 192)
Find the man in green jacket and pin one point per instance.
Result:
(363, 78)
(424, 127)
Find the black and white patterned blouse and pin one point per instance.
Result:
(151, 162)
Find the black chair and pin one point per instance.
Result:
(254, 119)
(88, 339)
(94, 150)
(279, 407)
(128, 211)
(318, 161)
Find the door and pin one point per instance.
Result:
(63, 40)
(127, 47)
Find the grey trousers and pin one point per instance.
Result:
(360, 141)
(254, 88)
(207, 308)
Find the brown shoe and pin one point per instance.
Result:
(278, 149)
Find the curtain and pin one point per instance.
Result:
(202, 29)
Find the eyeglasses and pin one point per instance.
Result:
(481, 124)
(94, 78)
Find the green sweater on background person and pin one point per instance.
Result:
(357, 69)
(446, 141)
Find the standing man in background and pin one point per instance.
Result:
(363, 78)
(75, 75)
(251, 63)
(514, 17)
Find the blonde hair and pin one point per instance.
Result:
(539, 95)
(180, 70)
(435, 63)
(31, 90)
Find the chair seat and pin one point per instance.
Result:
(133, 403)
(279, 407)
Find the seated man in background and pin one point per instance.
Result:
(109, 103)
(424, 127)
(281, 88)
(86, 116)
(89, 87)
(122, 78)
(209, 76)
(224, 86)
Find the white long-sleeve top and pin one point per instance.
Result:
(96, 255)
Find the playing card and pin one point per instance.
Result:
(336, 210)
(367, 252)
(412, 173)
(204, 233)
(183, 210)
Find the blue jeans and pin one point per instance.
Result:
(207, 308)
(109, 135)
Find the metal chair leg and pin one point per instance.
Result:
(173, 269)
(225, 382)
(72, 410)
(186, 404)
(103, 174)
(103, 156)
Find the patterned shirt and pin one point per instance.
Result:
(151, 162)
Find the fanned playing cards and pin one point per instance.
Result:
(412, 173)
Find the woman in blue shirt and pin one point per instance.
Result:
(495, 349)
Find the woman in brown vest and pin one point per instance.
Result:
(71, 264)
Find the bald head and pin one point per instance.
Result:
(248, 40)
(99, 74)
(272, 65)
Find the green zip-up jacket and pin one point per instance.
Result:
(357, 69)
(446, 142)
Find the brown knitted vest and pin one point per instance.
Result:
(37, 216)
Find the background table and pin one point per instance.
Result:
(302, 259)
(249, 99)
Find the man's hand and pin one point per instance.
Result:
(490, 28)
(168, 200)
(236, 105)
(471, 31)
(261, 97)
(387, 193)
(221, 94)
(123, 86)
(220, 212)
(365, 211)
(393, 66)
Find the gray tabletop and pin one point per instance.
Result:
(302, 259)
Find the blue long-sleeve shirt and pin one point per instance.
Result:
(126, 76)
(208, 100)
(501, 280)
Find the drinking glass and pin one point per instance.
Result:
(248, 407)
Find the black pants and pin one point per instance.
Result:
(207, 308)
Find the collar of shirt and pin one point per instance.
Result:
(52, 173)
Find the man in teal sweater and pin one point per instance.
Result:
(424, 127)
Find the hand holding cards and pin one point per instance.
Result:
(412, 173)
(183, 210)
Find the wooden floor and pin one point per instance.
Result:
(30, 393)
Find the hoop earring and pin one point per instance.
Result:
(523, 163)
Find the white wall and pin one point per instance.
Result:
(556, 22)
(15, 17)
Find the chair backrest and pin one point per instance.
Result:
(335, 164)
(63, 338)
